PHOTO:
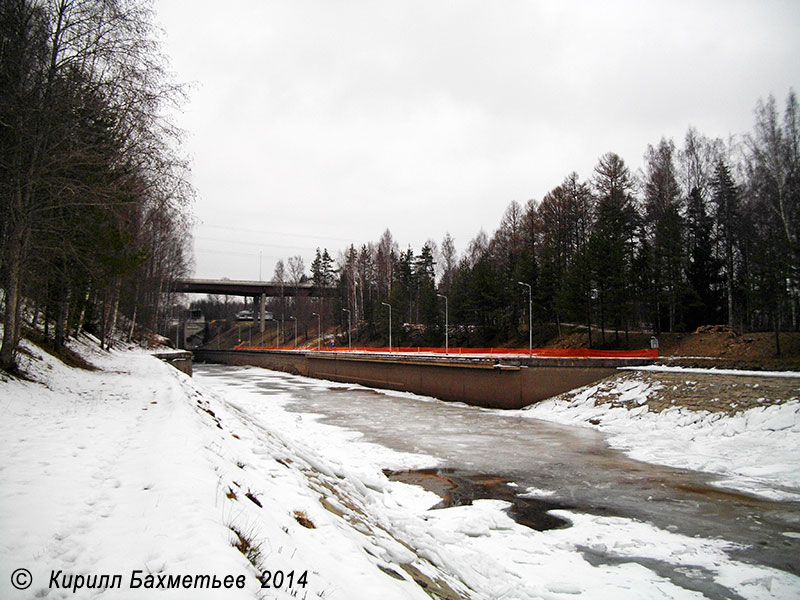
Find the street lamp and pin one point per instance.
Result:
(530, 316)
(390, 324)
(349, 343)
(355, 299)
(319, 330)
(295, 330)
(446, 327)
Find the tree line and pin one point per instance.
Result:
(705, 233)
(94, 194)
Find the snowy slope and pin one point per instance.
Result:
(127, 469)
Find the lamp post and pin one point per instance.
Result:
(319, 330)
(277, 333)
(390, 324)
(349, 342)
(355, 298)
(446, 326)
(530, 316)
(295, 330)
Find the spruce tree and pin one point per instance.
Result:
(702, 301)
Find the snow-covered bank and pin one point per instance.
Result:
(478, 550)
(107, 472)
(756, 450)
(138, 467)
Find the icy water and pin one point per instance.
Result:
(482, 451)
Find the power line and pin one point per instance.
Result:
(257, 244)
(302, 235)
(229, 253)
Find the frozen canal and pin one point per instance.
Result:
(490, 454)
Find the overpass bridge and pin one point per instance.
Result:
(253, 289)
(257, 290)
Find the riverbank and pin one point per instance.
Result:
(743, 426)
(133, 470)
(135, 467)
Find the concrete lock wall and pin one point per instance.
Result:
(181, 360)
(472, 381)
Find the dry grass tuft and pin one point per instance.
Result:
(246, 544)
(303, 519)
(253, 498)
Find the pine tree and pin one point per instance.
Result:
(702, 300)
(726, 199)
(426, 304)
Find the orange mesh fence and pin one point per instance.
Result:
(538, 352)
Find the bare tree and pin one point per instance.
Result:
(85, 157)
(280, 277)
(449, 262)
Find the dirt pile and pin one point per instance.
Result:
(725, 348)
(702, 391)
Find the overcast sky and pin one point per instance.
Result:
(321, 123)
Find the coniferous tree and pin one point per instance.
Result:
(665, 228)
(611, 245)
(702, 300)
(426, 302)
(726, 199)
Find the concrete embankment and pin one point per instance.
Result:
(180, 359)
(479, 381)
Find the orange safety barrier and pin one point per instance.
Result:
(537, 352)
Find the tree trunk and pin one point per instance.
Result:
(589, 321)
(115, 310)
(35, 315)
(61, 319)
(602, 322)
(729, 283)
(82, 316)
(133, 323)
(47, 313)
(8, 350)
(627, 334)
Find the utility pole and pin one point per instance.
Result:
(530, 317)
(390, 324)
(349, 341)
(319, 330)
(446, 326)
